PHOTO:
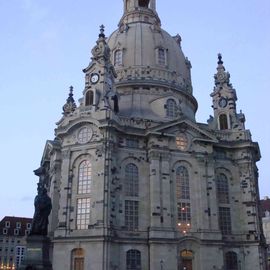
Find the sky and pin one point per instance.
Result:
(44, 45)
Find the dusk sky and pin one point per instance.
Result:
(44, 45)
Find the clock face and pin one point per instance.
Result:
(223, 102)
(94, 78)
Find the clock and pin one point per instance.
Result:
(94, 78)
(223, 102)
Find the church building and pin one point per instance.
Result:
(136, 182)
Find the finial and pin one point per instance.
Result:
(220, 62)
(70, 105)
(102, 29)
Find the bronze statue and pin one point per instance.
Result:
(43, 207)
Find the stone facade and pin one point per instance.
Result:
(135, 181)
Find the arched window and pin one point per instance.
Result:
(182, 183)
(223, 122)
(171, 108)
(144, 3)
(183, 199)
(186, 259)
(89, 98)
(231, 261)
(222, 188)
(77, 259)
(118, 57)
(133, 260)
(131, 180)
(84, 177)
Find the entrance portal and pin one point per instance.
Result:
(186, 259)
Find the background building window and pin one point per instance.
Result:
(85, 177)
(131, 180)
(77, 257)
(225, 220)
(131, 215)
(7, 224)
(83, 213)
(171, 108)
(223, 122)
(133, 260)
(231, 261)
(118, 58)
(18, 225)
(222, 188)
(89, 98)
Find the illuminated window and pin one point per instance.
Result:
(118, 58)
(133, 260)
(225, 220)
(182, 142)
(183, 199)
(222, 189)
(184, 214)
(171, 108)
(89, 98)
(85, 177)
(231, 261)
(83, 213)
(131, 180)
(84, 135)
(223, 122)
(77, 256)
(131, 215)
(161, 56)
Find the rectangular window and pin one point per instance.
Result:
(118, 58)
(16, 232)
(7, 224)
(225, 220)
(132, 215)
(18, 225)
(83, 213)
(183, 211)
(28, 226)
(5, 231)
(161, 56)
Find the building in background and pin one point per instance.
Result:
(13, 232)
(135, 181)
(265, 211)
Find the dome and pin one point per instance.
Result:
(140, 43)
(143, 54)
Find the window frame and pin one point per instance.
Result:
(171, 108)
(133, 260)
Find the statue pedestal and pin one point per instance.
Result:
(37, 253)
